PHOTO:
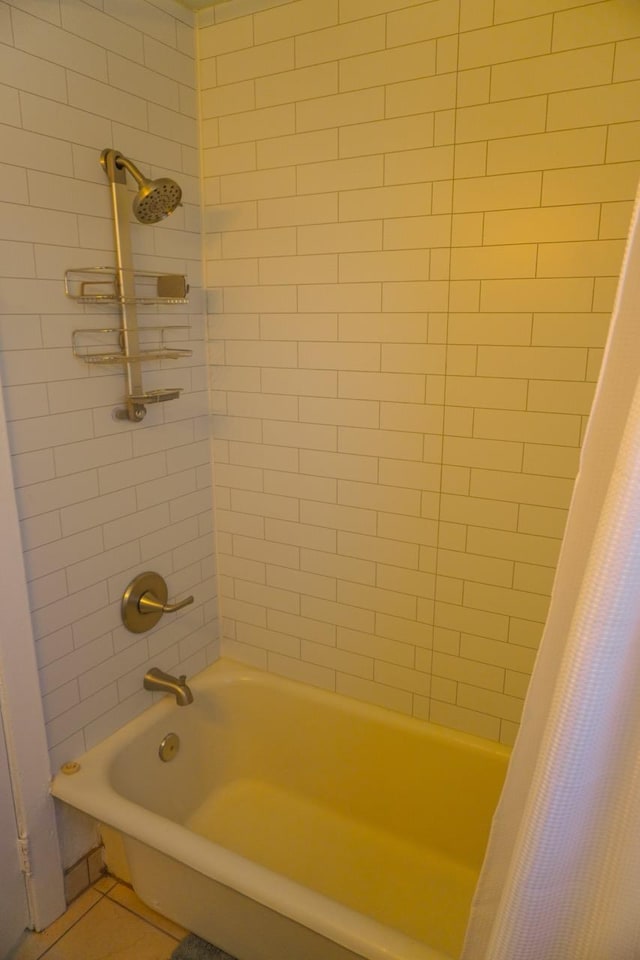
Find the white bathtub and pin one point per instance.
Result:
(295, 823)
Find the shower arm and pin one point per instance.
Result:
(122, 163)
(114, 165)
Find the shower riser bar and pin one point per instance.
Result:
(126, 287)
(154, 201)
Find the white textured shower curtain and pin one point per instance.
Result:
(561, 879)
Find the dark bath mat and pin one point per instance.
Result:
(193, 948)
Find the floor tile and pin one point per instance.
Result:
(109, 932)
(125, 896)
(36, 944)
(105, 884)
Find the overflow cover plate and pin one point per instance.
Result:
(169, 747)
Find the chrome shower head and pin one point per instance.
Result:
(155, 199)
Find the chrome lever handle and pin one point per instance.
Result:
(149, 603)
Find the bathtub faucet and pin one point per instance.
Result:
(155, 679)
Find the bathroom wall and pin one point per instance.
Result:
(101, 500)
(416, 215)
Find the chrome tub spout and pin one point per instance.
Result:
(156, 679)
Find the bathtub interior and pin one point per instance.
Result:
(383, 814)
(250, 733)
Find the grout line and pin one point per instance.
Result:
(74, 924)
(101, 896)
(135, 913)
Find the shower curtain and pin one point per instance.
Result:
(561, 879)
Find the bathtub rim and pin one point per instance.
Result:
(91, 791)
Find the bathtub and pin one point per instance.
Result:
(296, 823)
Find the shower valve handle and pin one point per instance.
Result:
(149, 603)
(145, 600)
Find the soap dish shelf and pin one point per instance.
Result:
(154, 396)
(93, 353)
(101, 285)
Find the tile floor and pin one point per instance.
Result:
(106, 922)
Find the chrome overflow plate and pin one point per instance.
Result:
(169, 747)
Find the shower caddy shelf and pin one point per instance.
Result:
(92, 353)
(79, 283)
(127, 288)
(100, 285)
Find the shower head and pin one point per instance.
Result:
(155, 199)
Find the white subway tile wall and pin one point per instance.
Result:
(416, 214)
(101, 500)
